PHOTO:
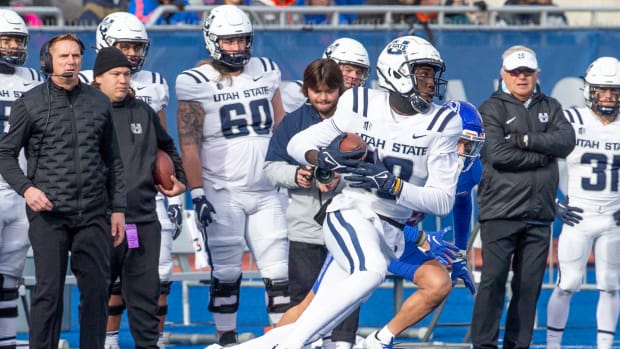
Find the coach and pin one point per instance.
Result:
(525, 134)
(74, 182)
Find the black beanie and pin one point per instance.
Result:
(108, 58)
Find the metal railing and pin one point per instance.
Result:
(291, 17)
(264, 17)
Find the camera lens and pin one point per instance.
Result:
(323, 176)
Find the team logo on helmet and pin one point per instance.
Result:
(104, 27)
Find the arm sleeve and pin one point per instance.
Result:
(462, 220)
(112, 157)
(166, 143)
(500, 152)
(10, 145)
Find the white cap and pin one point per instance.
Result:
(520, 59)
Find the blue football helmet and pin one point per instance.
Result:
(472, 138)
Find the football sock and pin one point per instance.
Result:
(606, 318)
(385, 336)
(557, 315)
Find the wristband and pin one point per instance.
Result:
(176, 200)
(197, 192)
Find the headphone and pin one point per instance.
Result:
(45, 58)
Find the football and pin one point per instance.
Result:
(352, 142)
(164, 168)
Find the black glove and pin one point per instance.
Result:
(368, 176)
(568, 214)
(175, 213)
(332, 158)
(617, 217)
(205, 214)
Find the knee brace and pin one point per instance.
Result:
(164, 287)
(224, 296)
(9, 294)
(278, 299)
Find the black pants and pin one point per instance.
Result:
(139, 275)
(304, 265)
(527, 246)
(89, 240)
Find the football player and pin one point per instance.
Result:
(412, 170)
(412, 167)
(226, 111)
(468, 150)
(127, 33)
(354, 63)
(14, 243)
(589, 177)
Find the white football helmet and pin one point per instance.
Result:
(349, 51)
(603, 72)
(228, 21)
(395, 67)
(12, 24)
(120, 27)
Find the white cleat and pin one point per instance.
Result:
(111, 346)
(372, 342)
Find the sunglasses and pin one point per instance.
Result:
(519, 71)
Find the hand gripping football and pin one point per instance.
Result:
(352, 142)
(164, 168)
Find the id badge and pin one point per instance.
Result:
(131, 232)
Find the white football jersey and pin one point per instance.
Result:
(292, 97)
(12, 87)
(593, 166)
(151, 87)
(420, 149)
(238, 121)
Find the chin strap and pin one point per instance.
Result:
(402, 104)
(219, 65)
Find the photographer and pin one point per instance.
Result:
(322, 85)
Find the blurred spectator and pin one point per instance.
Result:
(325, 18)
(410, 18)
(93, 11)
(467, 17)
(31, 19)
(554, 19)
(143, 9)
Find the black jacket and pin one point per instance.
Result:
(139, 135)
(521, 183)
(71, 148)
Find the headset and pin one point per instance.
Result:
(45, 58)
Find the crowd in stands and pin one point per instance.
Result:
(90, 12)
